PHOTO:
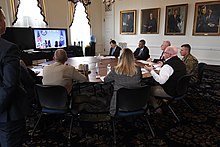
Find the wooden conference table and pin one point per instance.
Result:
(91, 61)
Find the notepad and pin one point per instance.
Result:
(143, 70)
(102, 78)
(144, 62)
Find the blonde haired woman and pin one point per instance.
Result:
(125, 75)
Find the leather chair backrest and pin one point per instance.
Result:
(132, 99)
(52, 97)
(201, 67)
(182, 85)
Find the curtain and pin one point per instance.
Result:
(41, 5)
(72, 7)
(86, 5)
(15, 4)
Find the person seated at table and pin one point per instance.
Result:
(190, 61)
(171, 71)
(126, 74)
(163, 46)
(60, 73)
(142, 52)
(114, 50)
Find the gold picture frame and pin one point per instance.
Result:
(150, 21)
(207, 19)
(128, 22)
(176, 18)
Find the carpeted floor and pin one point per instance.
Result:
(198, 128)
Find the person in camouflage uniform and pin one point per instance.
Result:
(190, 61)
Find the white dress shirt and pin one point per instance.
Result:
(165, 72)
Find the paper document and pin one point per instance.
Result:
(143, 70)
(102, 78)
(107, 57)
(144, 62)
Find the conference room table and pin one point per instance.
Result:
(92, 62)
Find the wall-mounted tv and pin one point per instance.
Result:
(48, 38)
(21, 36)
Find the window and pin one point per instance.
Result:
(80, 29)
(29, 14)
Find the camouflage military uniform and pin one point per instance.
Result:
(191, 67)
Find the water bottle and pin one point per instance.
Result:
(97, 68)
(108, 68)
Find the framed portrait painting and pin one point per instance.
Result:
(207, 19)
(150, 21)
(128, 22)
(176, 18)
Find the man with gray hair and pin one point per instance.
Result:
(60, 73)
(171, 71)
(163, 46)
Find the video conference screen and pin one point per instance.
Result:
(46, 38)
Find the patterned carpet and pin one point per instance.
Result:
(198, 128)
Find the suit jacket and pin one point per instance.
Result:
(13, 102)
(116, 52)
(160, 59)
(122, 81)
(60, 74)
(173, 23)
(144, 55)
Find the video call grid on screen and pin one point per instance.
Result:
(50, 38)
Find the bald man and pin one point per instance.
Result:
(171, 71)
(59, 73)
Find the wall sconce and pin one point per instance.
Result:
(108, 2)
(85, 2)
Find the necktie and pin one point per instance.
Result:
(141, 50)
(161, 56)
(113, 50)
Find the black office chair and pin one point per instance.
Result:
(201, 67)
(199, 87)
(54, 100)
(181, 90)
(131, 102)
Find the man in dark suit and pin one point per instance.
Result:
(114, 50)
(13, 102)
(163, 46)
(173, 22)
(142, 52)
(151, 25)
(128, 22)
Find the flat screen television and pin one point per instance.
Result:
(21, 36)
(49, 38)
